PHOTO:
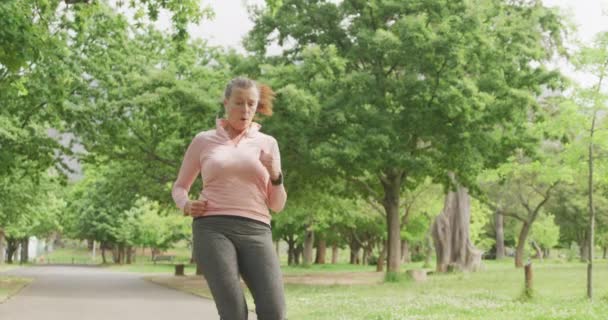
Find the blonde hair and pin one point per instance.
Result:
(265, 92)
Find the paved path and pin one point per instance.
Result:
(91, 293)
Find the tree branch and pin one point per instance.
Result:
(546, 198)
(151, 153)
(376, 206)
(437, 79)
(512, 215)
(383, 178)
(366, 186)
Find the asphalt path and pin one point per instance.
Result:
(93, 293)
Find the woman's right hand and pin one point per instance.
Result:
(195, 208)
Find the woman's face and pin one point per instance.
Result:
(241, 107)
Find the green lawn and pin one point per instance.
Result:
(84, 256)
(493, 293)
(10, 286)
(6, 267)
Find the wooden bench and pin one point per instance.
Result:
(163, 258)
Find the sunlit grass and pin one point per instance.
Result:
(492, 293)
(11, 285)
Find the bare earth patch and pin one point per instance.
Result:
(196, 284)
(335, 278)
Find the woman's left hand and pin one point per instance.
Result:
(271, 164)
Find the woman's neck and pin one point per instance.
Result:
(232, 132)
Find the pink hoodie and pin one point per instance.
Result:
(235, 182)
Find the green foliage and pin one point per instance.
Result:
(480, 218)
(30, 207)
(147, 224)
(545, 231)
(411, 77)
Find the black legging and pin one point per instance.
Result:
(227, 246)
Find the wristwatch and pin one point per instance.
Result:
(278, 181)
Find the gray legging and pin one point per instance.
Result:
(227, 246)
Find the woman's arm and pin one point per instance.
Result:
(276, 193)
(190, 168)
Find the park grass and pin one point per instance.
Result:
(6, 267)
(82, 255)
(492, 293)
(10, 286)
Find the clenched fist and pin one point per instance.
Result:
(272, 164)
(195, 208)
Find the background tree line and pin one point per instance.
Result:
(409, 130)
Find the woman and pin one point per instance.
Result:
(241, 171)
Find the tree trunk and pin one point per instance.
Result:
(321, 252)
(122, 253)
(12, 245)
(199, 269)
(354, 252)
(500, 235)
(102, 245)
(129, 254)
(334, 254)
(605, 255)
(309, 241)
(380, 264)
(591, 208)
(298, 253)
(429, 250)
(584, 249)
(521, 245)
(367, 252)
(539, 251)
(391, 183)
(25, 245)
(2, 246)
(290, 255)
(450, 232)
(291, 250)
(405, 252)
(115, 254)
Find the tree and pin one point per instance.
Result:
(31, 208)
(40, 71)
(155, 226)
(419, 87)
(593, 103)
(531, 183)
(38, 74)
